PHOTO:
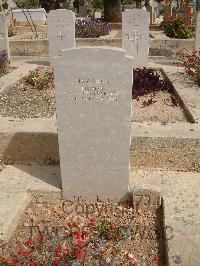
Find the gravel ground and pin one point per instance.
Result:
(161, 110)
(101, 245)
(26, 101)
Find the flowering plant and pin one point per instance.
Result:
(191, 63)
(177, 28)
(91, 29)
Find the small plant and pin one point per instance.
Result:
(191, 63)
(147, 80)
(11, 32)
(39, 80)
(91, 29)
(178, 29)
(107, 230)
(31, 79)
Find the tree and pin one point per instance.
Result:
(97, 4)
(50, 4)
(112, 10)
(27, 3)
(77, 4)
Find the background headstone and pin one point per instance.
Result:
(82, 11)
(4, 42)
(61, 31)
(94, 113)
(97, 14)
(197, 33)
(135, 35)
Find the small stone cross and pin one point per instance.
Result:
(61, 35)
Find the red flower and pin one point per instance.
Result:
(28, 242)
(126, 206)
(84, 234)
(4, 259)
(41, 237)
(20, 252)
(13, 261)
(156, 259)
(58, 250)
(113, 253)
(112, 226)
(76, 234)
(79, 242)
(79, 254)
(33, 263)
(2, 246)
(91, 222)
(56, 262)
(28, 254)
(68, 251)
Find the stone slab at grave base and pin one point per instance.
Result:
(17, 184)
(180, 196)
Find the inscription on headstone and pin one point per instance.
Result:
(61, 31)
(197, 33)
(135, 35)
(94, 114)
(4, 42)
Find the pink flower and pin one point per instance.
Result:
(156, 259)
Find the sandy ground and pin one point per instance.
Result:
(142, 243)
(161, 110)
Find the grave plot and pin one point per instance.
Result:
(34, 97)
(87, 233)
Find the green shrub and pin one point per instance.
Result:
(177, 29)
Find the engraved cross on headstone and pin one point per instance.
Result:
(1, 35)
(61, 35)
(134, 38)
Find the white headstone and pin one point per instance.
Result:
(97, 14)
(61, 31)
(4, 42)
(94, 113)
(135, 35)
(197, 33)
